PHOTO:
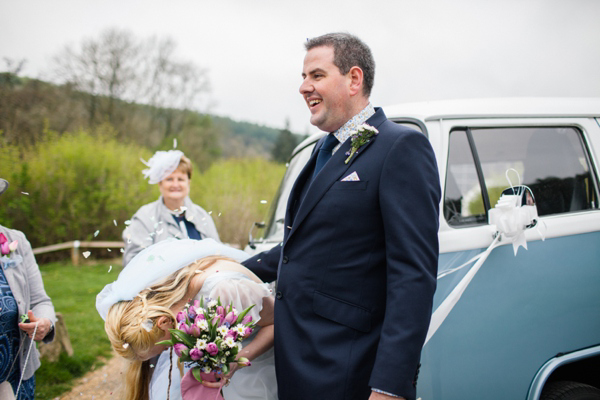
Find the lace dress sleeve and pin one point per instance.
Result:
(242, 293)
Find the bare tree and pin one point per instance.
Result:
(119, 67)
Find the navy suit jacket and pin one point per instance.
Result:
(356, 270)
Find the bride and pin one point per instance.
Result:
(140, 307)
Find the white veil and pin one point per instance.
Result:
(157, 262)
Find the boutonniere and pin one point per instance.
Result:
(363, 135)
(6, 249)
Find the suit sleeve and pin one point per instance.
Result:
(409, 201)
(265, 264)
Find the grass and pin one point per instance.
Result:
(73, 291)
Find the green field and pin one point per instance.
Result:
(73, 291)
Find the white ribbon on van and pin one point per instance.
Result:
(512, 215)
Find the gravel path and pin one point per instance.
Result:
(104, 383)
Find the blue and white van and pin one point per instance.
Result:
(527, 325)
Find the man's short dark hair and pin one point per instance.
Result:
(348, 51)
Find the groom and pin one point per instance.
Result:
(357, 267)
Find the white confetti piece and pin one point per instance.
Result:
(96, 233)
(115, 222)
(125, 345)
(25, 193)
(128, 241)
(190, 218)
(128, 222)
(122, 250)
(110, 268)
(210, 213)
(174, 143)
(183, 208)
(151, 365)
(147, 325)
(109, 250)
(159, 231)
(86, 254)
(263, 202)
(219, 215)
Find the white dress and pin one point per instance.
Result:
(256, 382)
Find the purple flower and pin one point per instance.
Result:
(181, 316)
(192, 313)
(221, 311)
(217, 320)
(247, 319)
(196, 354)
(196, 303)
(184, 328)
(180, 349)
(230, 318)
(248, 331)
(195, 330)
(212, 349)
(232, 333)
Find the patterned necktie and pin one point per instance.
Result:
(325, 152)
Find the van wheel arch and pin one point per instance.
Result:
(569, 390)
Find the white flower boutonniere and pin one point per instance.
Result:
(363, 135)
(6, 249)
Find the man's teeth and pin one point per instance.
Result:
(314, 102)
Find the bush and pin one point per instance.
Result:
(237, 192)
(75, 184)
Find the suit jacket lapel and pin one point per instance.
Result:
(331, 172)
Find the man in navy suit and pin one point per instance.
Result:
(356, 271)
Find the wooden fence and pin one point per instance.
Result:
(76, 247)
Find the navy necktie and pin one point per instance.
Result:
(325, 152)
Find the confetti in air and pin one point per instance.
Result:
(174, 143)
(25, 193)
(109, 250)
(86, 254)
(263, 202)
(96, 233)
(125, 345)
(122, 250)
(110, 268)
(128, 222)
(115, 222)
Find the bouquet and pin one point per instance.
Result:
(208, 337)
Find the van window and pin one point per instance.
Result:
(552, 161)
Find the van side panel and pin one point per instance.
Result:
(513, 318)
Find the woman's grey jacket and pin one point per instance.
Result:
(25, 281)
(154, 222)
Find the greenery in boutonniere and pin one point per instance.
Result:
(363, 135)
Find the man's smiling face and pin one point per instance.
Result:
(325, 90)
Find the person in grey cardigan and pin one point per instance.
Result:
(173, 214)
(25, 309)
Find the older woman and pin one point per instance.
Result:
(173, 214)
(26, 313)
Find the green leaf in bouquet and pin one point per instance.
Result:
(196, 373)
(243, 314)
(219, 302)
(182, 337)
(169, 343)
(225, 369)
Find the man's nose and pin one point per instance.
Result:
(305, 87)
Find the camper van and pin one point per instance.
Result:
(526, 324)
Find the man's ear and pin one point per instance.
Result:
(355, 76)
(165, 323)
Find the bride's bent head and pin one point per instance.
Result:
(135, 326)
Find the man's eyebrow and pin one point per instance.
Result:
(314, 71)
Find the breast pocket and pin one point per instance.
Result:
(350, 185)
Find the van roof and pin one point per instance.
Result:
(497, 107)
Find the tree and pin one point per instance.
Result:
(285, 144)
(118, 68)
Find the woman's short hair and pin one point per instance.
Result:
(185, 166)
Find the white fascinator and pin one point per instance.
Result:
(161, 165)
(155, 263)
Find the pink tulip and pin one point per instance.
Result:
(248, 331)
(180, 349)
(196, 354)
(232, 333)
(212, 349)
(217, 320)
(13, 246)
(221, 310)
(3, 238)
(181, 316)
(4, 248)
(230, 318)
(247, 319)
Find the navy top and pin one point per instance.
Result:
(191, 229)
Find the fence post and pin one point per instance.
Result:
(75, 252)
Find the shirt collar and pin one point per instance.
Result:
(353, 123)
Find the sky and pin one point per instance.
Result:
(253, 49)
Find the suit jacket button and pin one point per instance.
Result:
(285, 260)
(279, 295)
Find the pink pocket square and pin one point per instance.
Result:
(353, 177)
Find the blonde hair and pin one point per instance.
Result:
(185, 166)
(132, 326)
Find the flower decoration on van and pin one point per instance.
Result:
(363, 135)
